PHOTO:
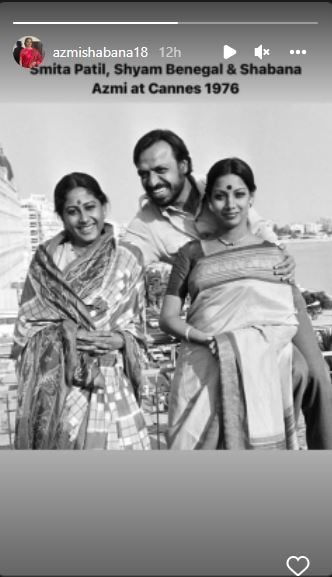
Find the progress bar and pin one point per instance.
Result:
(98, 23)
(168, 23)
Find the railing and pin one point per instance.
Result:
(8, 401)
(328, 355)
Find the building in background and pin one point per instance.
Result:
(312, 228)
(297, 229)
(120, 229)
(32, 221)
(12, 272)
(12, 241)
(41, 221)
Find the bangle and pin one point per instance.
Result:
(186, 334)
(119, 334)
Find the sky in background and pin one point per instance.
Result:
(289, 147)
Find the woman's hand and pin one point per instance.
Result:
(286, 268)
(98, 342)
(212, 344)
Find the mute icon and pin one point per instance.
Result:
(260, 51)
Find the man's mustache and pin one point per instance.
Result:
(152, 189)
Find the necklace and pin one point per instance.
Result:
(79, 251)
(233, 242)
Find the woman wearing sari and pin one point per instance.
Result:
(77, 333)
(29, 56)
(232, 387)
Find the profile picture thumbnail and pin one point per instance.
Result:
(28, 52)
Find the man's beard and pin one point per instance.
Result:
(165, 200)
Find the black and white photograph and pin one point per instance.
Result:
(165, 279)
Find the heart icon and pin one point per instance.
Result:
(298, 565)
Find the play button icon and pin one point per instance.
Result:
(228, 51)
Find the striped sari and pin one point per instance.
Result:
(245, 399)
(69, 399)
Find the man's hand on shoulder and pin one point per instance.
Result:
(285, 270)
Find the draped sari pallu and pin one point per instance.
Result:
(244, 400)
(30, 56)
(69, 399)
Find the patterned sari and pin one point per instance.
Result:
(245, 399)
(69, 399)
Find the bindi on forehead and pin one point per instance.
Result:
(229, 187)
(77, 204)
